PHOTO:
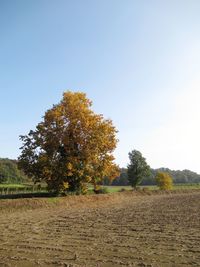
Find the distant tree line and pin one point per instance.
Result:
(9, 172)
(179, 177)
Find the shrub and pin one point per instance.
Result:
(101, 190)
(164, 181)
(122, 190)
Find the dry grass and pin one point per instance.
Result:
(11, 205)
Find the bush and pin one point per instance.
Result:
(122, 190)
(164, 181)
(101, 190)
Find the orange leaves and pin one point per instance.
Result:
(71, 146)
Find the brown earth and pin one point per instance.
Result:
(114, 230)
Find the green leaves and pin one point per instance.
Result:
(137, 169)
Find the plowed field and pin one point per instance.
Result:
(115, 230)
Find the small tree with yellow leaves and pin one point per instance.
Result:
(71, 147)
(164, 181)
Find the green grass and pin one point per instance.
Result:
(110, 189)
(113, 189)
(7, 189)
(53, 200)
(12, 186)
(187, 186)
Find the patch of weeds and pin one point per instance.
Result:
(53, 200)
(122, 190)
(102, 190)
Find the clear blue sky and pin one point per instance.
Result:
(138, 61)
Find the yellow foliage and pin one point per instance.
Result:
(71, 144)
(164, 181)
(88, 179)
(69, 166)
(65, 185)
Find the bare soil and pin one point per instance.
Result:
(114, 230)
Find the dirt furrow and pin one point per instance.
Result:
(160, 230)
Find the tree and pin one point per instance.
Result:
(71, 147)
(164, 181)
(137, 169)
(9, 172)
(2, 178)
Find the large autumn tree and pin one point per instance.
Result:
(71, 147)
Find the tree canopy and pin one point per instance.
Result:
(179, 177)
(9, 172)
(71, 147)
(137, 169)
(164, 181)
